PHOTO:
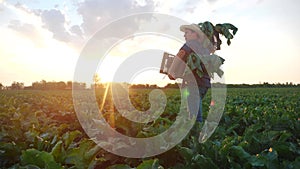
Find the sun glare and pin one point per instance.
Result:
(132, 46)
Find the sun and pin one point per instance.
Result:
(108, 67)
(119, 53)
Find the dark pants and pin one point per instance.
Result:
(196, 85)
(195, 101)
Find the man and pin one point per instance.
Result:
(189, 53)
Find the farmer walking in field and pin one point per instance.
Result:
(194, 45)
(202, 40)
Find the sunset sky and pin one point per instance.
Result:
(42, 40)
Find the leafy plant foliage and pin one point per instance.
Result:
(213, 32)
(259, 129)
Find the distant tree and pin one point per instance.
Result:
(138, 86)
(143, 86)
(153, 86)
(39, 85)
(61, 85)
(78, 85)
(69, 85)
(1, 86)
(97, 82)
(43, 84)
(17, 86)
(50, 85)
(35, 85)
(170, 85)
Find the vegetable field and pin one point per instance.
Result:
(260, 128)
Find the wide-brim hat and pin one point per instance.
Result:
(193, 27)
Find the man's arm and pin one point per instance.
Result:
(178, 65)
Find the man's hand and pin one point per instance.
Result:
(171, 77)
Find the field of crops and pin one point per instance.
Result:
(259, 129)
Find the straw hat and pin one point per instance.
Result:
(193, 27)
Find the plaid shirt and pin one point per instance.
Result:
(196, 67)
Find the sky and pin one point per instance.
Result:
(43, 40)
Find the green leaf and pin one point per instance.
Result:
(204, 162)
(296, 163)
(256, 162)
(229, 26)
(149, 164)
(228, 42)
(231, 128)
(92, 152)
(186, 153)
(58, 152)
(9, 151)
(83, 156)
(76, 155)
(30, 157)
(285, 150)
(269, 158)
(207, 28)
(69, 137)
(17, 166)
(235, 165)
(39, 158)
(239, 152)
(119, 166)
(284, 136)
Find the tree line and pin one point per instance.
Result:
(52, 85)
(263, 85)
(44, 85)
